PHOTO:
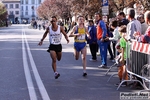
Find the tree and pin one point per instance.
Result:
(85, 7)
(46, 9)
(145, 4)
(67, 8)
(3, 12)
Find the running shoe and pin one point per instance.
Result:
(57, 75)
(93, 60)
(84, 74)
(102, 66)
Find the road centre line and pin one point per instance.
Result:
(39, 82)
(29, 81)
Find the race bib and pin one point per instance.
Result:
(56, 40)
(82, 37)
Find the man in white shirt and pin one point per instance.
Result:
(134, 25)
(144, 25)
(55, 48)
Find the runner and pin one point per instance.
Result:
(55, 48)
(79, 33)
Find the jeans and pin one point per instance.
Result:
(103, 51)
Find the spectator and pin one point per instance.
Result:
(134, 25)
(93, 41)
(146, 37)
(43, 25)
(109, 42)
(35, 24)
(122, 73)
(144, 25)
(122, 18)
(116, 35)
(101, 36)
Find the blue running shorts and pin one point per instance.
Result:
(79, 46)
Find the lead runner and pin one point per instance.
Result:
(55, 48)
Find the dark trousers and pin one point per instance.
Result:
(93, 50)
(110, 50)
(114, 48)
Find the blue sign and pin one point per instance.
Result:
(104, 2)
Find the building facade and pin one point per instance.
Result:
(22, 10)
(13, 9)
(28, 9)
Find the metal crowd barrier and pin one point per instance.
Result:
(138, 54)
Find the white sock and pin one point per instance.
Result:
(55, 73)
(84, 71)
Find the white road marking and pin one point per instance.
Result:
(39, 82)
(29, 81)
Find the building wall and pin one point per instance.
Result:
(28, 9)
(25, 11)
(13, 9)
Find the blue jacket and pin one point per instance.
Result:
(93, 34)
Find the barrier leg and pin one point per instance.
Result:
(144, 91)
(110, 68)
(111, 77)
(147, 86)
(130, 81)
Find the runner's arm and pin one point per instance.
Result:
(71, 33)
(44, 36)
(64, 33)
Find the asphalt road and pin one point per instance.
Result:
(26, 73)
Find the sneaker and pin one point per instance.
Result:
(122, 85)
(84, 74)
(117, 84)
(113, 61)
(57, 75)
(111, 58)
(102, 66)
(98, 54)
(93, 60)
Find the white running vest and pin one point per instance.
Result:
(55, 36)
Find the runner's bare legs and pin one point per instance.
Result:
(55, 56)
(83, 56)
(76, 54)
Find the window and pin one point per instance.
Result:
(22, 14)
(26, 13)
(16, 12)
(6, 5)
(33, 13)
(26, 7)
(21, 7)
(11, 6)
(39, 1)
(26, 1)
(11, 12)
(17, 6)
(33, 1)
(22, 2)
(32, 7)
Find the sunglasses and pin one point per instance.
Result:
(53, 21)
